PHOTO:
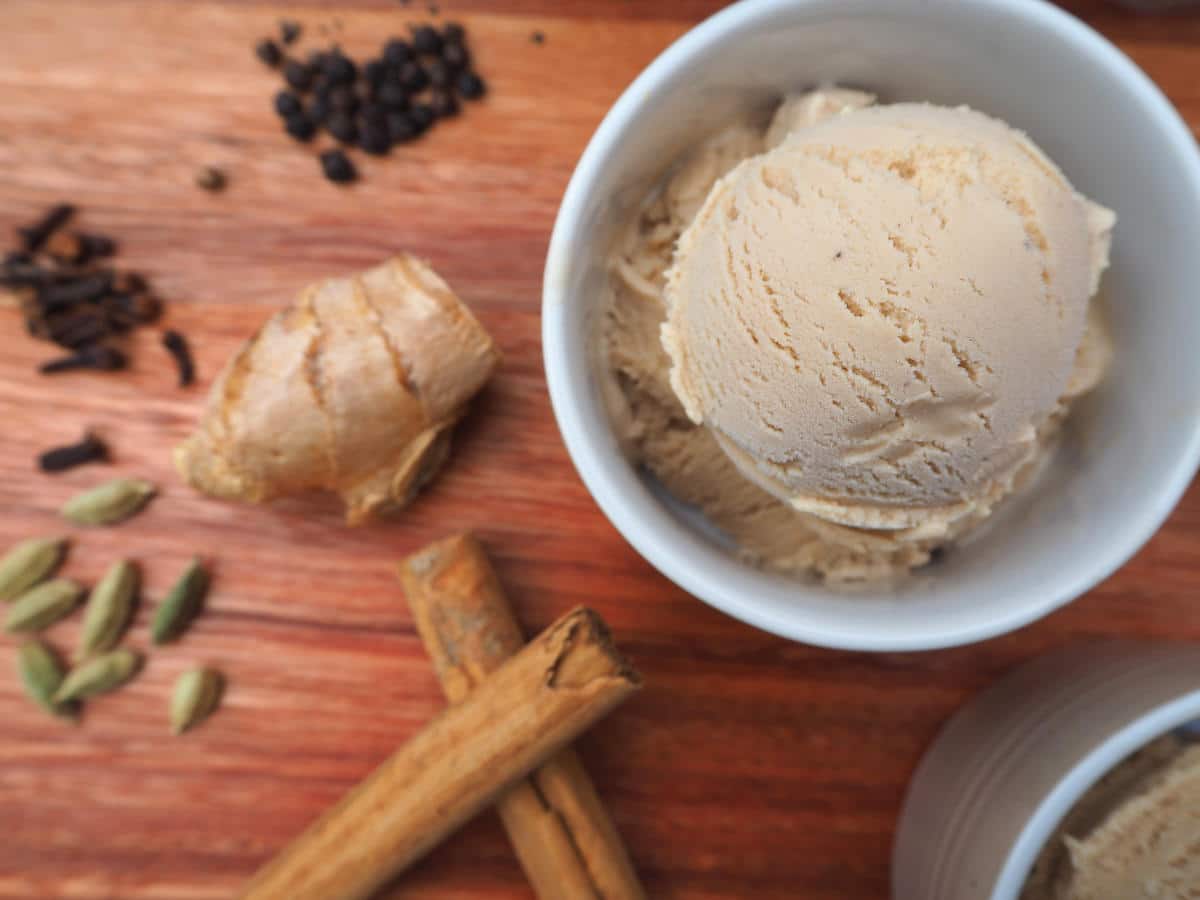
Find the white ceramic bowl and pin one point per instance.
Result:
(1131, 448)
(1002, 774)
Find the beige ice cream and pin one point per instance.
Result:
(845, 336)
(1134, 836)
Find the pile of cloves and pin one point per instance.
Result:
(374, 105)
(70, 295)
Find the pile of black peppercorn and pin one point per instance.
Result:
(377, 103)
(70, 295)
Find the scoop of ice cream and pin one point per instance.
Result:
(875, 317)
(1148, 846)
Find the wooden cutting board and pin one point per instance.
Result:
(749, 766)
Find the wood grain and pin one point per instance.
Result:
(750, 766)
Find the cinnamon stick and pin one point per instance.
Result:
(525, 711)
(560, 830)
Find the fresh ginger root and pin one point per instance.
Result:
(353, 388)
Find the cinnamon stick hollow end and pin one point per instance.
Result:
(353, 388)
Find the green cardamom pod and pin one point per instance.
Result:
(44, 605)
(28, 563)
(110, 503)
(98, 675)
(42, 674)
(196, 695)
(182, 605)
(108, 610)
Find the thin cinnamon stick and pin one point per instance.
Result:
(541, 699)
(560, 830)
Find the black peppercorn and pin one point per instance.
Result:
(413, 78)
(319, 110)
(401, 128)
(453, 33)
(396, 52)
(373, 113)
(289, 31)
(341, 126)
(298, 76)
(287, 104)
(300, 126)
(456, 56)
(268, 51)
(470, 86)
(443, 104)
(439, 73)
(210, 178)
(374, 138)
(425, 39)
(337, 167)
(392, 95)
(339, 68)
(343, 99)
(316, 59)
(421, 115)
(374, 70)
(538, 37)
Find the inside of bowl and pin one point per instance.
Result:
(1129, 449)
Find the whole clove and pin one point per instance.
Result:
(35, 235)
(86, 289)
(97, 245)
(67, 298)
(78, 328)
(102, 358)
(59, 459)
(125, 311)
(177, 346)
(66, 247)
(130, 282)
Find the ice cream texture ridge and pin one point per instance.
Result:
(847, 336)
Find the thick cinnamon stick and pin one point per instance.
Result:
(525, 711)
(563, 836)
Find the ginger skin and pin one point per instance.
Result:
(354, 388)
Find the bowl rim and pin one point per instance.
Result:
(645, 524)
